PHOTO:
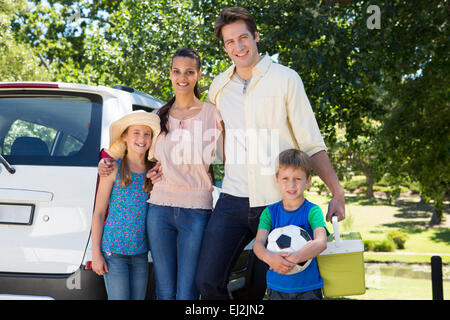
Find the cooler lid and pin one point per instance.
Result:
(348, 243)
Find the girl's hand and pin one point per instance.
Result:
(99, 265)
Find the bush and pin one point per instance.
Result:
(379, 245)
(398, 237)
(354, 183)
(368, 245)
(384, 246)
(392, 193)
(320, 186)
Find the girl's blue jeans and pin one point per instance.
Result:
(175, 236)
(127, 276)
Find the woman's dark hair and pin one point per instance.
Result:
(163, 113)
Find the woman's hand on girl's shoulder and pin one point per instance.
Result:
(106, 166)
(155, 173)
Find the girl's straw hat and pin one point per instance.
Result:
(117, 146)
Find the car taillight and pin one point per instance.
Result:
(28, 85)
(88, 265)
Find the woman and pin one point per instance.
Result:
(181, 203)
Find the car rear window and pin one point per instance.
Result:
(42, 128)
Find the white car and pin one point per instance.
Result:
(51, 136)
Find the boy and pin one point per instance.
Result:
(293, 177)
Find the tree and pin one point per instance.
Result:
(356, 75)
(416, 133)
(18, 61)
(128, 42)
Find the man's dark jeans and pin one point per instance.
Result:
(233, 224)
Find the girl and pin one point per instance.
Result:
(119, 245)
(181, 202)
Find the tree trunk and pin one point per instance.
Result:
(438, 214)
(369, 182)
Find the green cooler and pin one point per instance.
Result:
(341, 264)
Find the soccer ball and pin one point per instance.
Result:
(289, 239)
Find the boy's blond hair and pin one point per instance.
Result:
(294, 158)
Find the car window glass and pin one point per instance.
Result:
(50, 129)
(21, 128)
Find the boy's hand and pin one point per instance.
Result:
(279, 263)
(295, 257)
(155, 173)
(105, 167)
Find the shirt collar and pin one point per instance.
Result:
(261, 67)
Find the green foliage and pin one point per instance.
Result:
(128, 42)
(379, 245)
(368, 245)
(353, 183)
(319, 186)
(18, 61)
(398, 237)
(395, 239)
(392, 193)
(380, 95)
(384, 246)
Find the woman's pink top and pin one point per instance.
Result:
(185, 153)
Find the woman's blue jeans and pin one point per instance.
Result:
(127, 276)
(175, 236)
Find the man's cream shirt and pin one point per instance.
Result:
(278, 116)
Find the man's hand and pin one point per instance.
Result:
(336, 207)
(105, 167)
(155, 173)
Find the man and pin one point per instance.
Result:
(256, 98)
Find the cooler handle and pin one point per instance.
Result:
(337, 235)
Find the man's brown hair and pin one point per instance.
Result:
(231, 15)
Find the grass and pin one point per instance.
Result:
(375, 218)
(385, 287)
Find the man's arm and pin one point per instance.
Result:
(322, 166)
(307, 134)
